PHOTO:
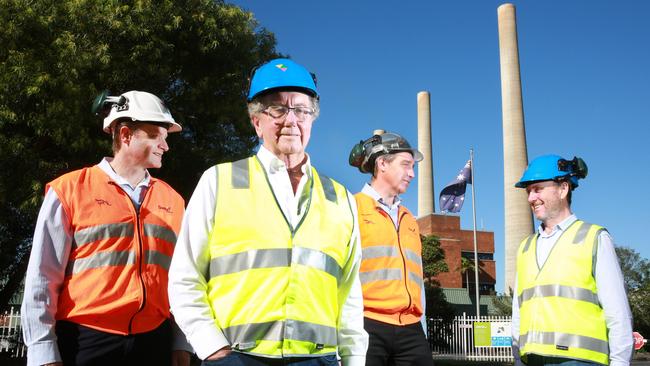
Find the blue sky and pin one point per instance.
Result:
(585, 70)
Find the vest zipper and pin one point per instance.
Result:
(405, 271)
(140, 251)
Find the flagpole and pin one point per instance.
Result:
(476, 268)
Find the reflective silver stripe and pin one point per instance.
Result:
(380, 274)
(416, 278)
(568, 292)
(563, 339)
(268, 258)
(261, 258)
(160, 232)
(101, 259)
(328, 188)
(240, 174)
(159, 258)
(247, 334)
(582, 233)
(105, 231)
(315, 333)
(379, 251)
(528, 242)
(413, 256)
(317, 259)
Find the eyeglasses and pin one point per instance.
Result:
(279, 111)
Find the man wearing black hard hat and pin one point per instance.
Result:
(569, 305)
(391, 268)
(266, 266)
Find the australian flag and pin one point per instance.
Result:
(453, 195)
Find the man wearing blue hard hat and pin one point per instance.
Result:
(266, 268)
(570, 306)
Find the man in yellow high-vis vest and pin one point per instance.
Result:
(266, 268)
(569, 304)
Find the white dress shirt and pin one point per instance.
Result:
(188, 275)
(611, 294)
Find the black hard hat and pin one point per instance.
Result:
(364, 154)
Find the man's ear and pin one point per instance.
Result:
(565, 189)
(256, 122)
(125, 135)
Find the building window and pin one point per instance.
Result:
(481, 256)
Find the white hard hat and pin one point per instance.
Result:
(141, 106)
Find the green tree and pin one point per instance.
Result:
(433, 261)
(433, 256)
(57, 55)
(636, 277)
(503, 305)
(466, 266)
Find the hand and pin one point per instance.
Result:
(180, 358)
(225, 351)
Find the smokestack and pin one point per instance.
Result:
(518, 218)
(426, 200)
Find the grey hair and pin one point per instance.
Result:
(258, 105)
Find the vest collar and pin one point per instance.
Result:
(562, 226)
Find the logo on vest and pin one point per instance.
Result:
(166, 209)
(561, 347)
(102, 202)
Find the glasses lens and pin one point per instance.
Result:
(277, 111)
(303, 112)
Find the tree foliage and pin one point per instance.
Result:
(636, 277)
(57, 55)
(433, 256)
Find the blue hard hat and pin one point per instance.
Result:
(553, 167)
(281, 73)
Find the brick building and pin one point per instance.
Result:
(458, 243)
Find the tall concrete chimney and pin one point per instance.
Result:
(518, 217)
(426, 199)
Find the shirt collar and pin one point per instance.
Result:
(370, 191)
(273, 165)
(108, 169)
(562, 226)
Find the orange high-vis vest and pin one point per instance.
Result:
(116, 276)
(391, 268)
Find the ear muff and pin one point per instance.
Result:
(575, 167)
(103, 102)
(364, 153)
(357, 155)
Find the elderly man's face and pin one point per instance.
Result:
(287, 135)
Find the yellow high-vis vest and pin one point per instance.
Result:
(274, 289)
(560, 312)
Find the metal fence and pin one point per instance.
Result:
(456, 339)
(448, 340)
(11, 340)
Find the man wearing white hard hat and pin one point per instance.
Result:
(96, 284)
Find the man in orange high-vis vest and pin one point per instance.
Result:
(391, 266)
(96, 284)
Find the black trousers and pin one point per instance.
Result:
(83, 346)
(393, 345)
